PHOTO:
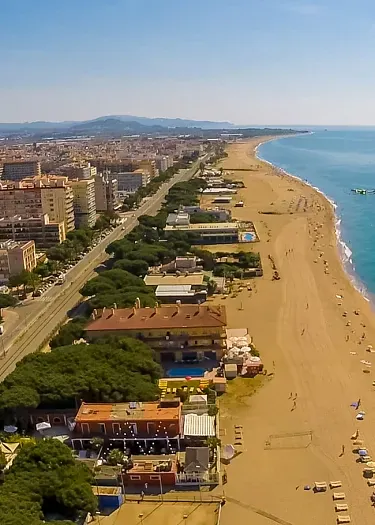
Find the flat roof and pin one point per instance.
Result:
(124, 412)
(212, 226)
(161, 317)
(192, 279)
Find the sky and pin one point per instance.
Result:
(261, 62)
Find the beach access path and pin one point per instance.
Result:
(300, 326)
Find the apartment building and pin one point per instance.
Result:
(19, 170)
(38, 196)
(106, 192)
(79, 171)
(16, 257)
(131, 181)
(84, 202)
(163, 163)
(176, 333)
(38, 229)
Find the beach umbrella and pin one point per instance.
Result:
(42, 426)
(10, 429)
(188, 378)
(229, 451)
(359, 417)
(362, 452)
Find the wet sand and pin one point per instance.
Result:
(300, 327)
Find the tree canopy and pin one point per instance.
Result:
(44, 478)
(7, 300)
(116, 370)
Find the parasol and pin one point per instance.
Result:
(42, 426)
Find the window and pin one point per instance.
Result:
(101, 427)
(85, 427)
(195, 342)
(135, 478)
(133, 428)
(116, 428)
(57, 420)
(155, 477)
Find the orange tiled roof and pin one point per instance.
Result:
(123, 412)
(163, 317)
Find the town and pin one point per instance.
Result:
(125, 387)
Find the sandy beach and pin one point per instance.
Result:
(309, 337)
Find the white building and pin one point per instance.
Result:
(84, 202)
(131, 181)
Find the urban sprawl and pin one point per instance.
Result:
(116, 260)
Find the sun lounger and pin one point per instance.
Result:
(371, 482)
(320, 486)
(168, 390)
(341, 506)
(365, 459)
(338, 495)
(358, 442)
(191, 389)
(343, 519)
(335, 484)
(174, 390)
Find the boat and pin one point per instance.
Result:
(361, 191)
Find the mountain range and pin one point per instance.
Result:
(120, 123)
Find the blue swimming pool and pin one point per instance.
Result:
(185, 372)
(249, 236)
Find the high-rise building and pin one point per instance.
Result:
(84, 202)
(130, 182)
(38, 229)
(19, 170)
(16, 257)
(38, 196)
(79, 171)
(106, 192)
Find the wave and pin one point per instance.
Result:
(344, 250)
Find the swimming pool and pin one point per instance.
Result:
(249, 236)
(185, 372)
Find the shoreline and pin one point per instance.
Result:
(345, 253)
(314, 330)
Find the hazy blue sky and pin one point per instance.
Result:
(247, 61)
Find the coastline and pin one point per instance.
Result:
(312, 329)
(345, 253)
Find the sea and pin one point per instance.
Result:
(335, 162)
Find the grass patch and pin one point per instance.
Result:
(240, 388)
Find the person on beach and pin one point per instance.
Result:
(303, 331)
(343, 450)
(358, 403)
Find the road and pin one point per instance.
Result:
(47, 313)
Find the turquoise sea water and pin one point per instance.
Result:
(335, 162)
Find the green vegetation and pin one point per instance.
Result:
(7, 300)
(110, 371)
(202, 217)
(237, 265)
(45, 479)
(69, 332)
(117, 287)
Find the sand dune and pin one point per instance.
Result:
(300, 328)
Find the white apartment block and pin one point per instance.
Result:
(130, 182)
(84, 202)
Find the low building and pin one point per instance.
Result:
(130, 182)
(84, 202)
(187, 288)
(16, 257)
(38, 229)
(181, 218)
(217, 232)
(220, 214)
(183, 294)
(180, 332)
(106, 193)
(129, 422)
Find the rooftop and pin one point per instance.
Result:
(205, 226)
(192, 279)
(161, 317)
(126, 412)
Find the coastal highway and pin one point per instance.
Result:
(50, 311)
